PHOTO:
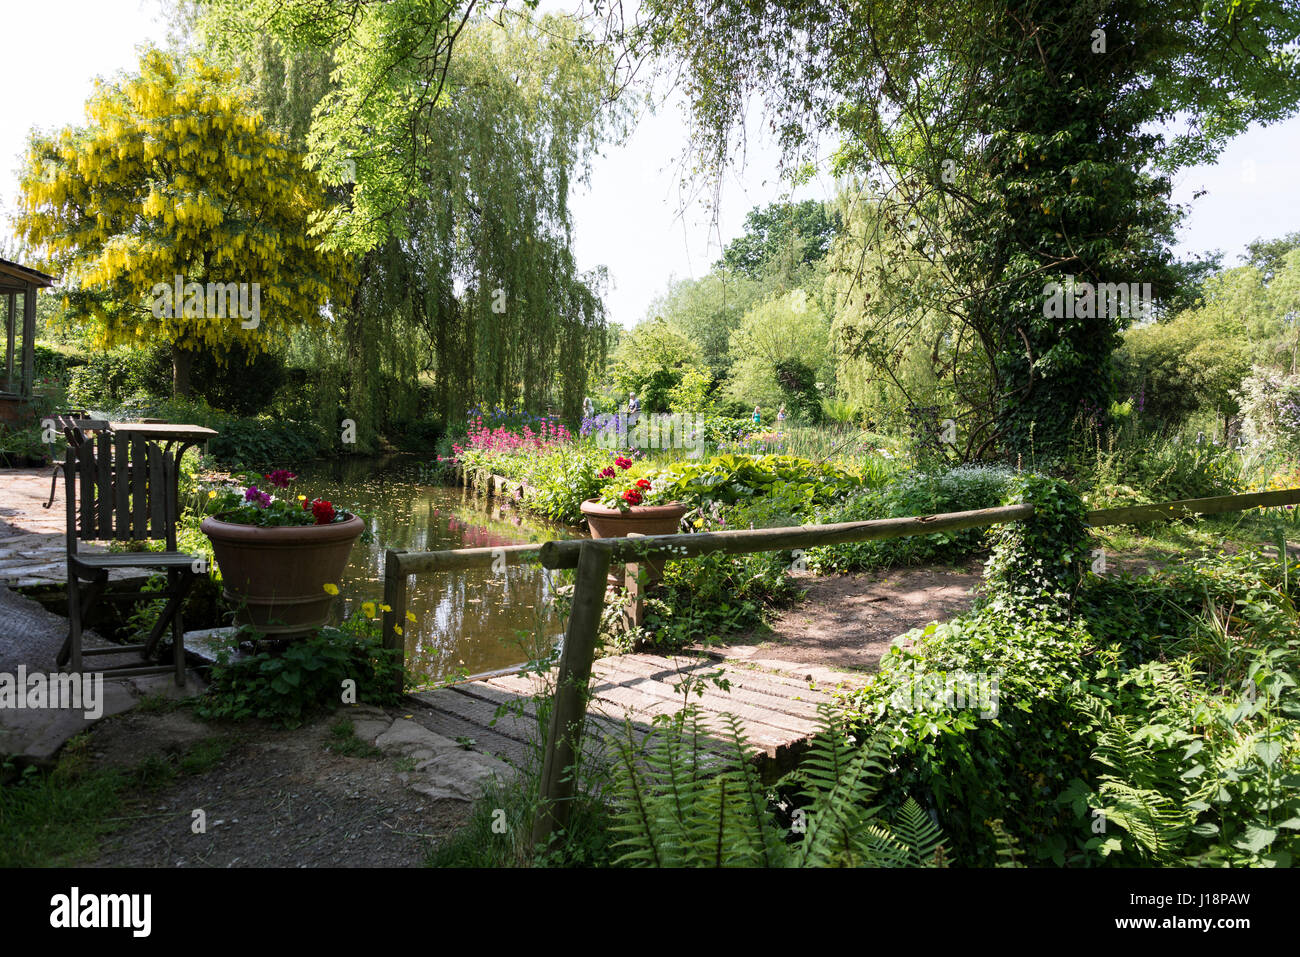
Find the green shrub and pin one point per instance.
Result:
(978, 710)
(54, 363)
(1136, 466)
(798, 385)
(1159, 723)
(978, 717)
(115, 375)
(1036, 563)
(25, 443)
(289, 686)
(731, 479)
(561, 480)
(245, 384)
(701, 599)
(418, 435)
(265, 441)
(915, 493)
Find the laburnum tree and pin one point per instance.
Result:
(177, 175)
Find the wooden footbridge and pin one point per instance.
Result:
(776, 702)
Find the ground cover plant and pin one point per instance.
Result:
(1107, 689)
(290, 685)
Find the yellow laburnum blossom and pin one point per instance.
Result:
(149, 191)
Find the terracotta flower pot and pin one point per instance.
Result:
(275, 577)
(641, 519)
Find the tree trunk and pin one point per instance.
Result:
(182, 360)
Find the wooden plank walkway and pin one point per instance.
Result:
(776, 702)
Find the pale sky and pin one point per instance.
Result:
(633, 218)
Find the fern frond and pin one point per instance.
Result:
(921, 837)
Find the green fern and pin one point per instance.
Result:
(678, 808)
(917, 840)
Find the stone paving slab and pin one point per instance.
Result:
(30, 639)
(33, 539)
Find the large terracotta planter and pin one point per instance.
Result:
(640, 519)
(275, 577)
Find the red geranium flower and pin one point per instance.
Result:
(632, 497)
(280, 478)
(323, 511)
(623, 462)
(607, 472)
(643, 484)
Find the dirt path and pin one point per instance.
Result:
(848, 621)
(270, 799)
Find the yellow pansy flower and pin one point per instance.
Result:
(331, 589)
(410, 616)
(385, 607)
(212, 494)
(397, 628)
(369, 608)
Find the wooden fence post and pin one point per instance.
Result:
(569, 710)
(395, 599)
(634, 610)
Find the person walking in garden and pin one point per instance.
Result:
(633, 410)
(588, 408)
(758, 416)
(780, 416)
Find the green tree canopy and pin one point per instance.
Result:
(1013, 143)
(652, 359)
(453, 139)
(774, 336)
(781, 236)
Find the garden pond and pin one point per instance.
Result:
(468, 621)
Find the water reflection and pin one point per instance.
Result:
(467, 621)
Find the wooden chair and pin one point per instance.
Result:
(123, 488)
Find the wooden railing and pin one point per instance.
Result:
(593, 556)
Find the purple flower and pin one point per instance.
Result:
(258, 498)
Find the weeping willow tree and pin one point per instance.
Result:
(451, 141)
(897, 343)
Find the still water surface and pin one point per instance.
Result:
(468, 621)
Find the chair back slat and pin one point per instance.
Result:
(86, 468)
(121, 487)
(171, 507)
(104, 484)
(139, 489)
(157, 495)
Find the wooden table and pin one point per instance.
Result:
(169, 434)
